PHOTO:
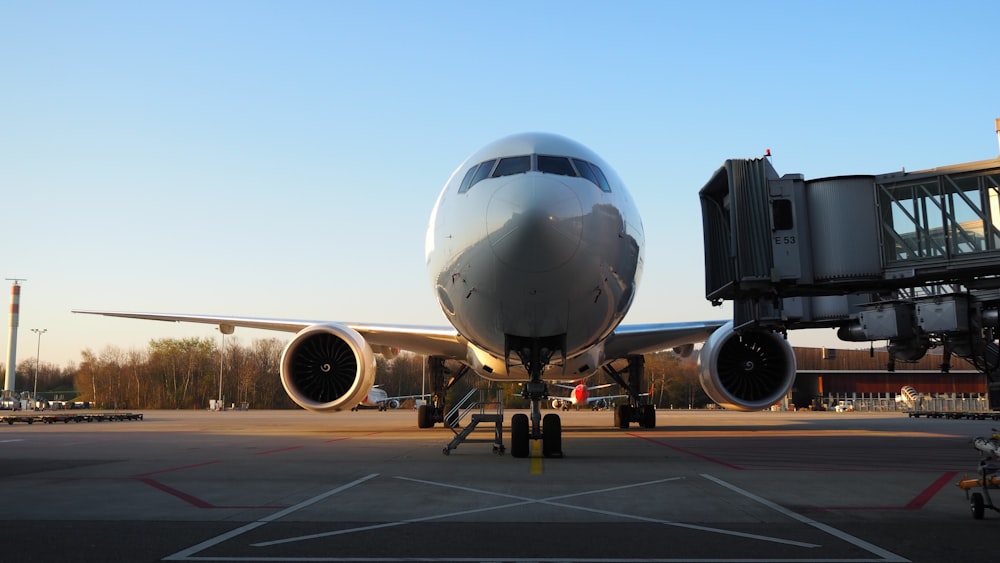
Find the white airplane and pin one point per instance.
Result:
(378, 398)
(535, 252)
(580, 395)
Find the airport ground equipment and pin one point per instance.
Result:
(31, 418)
(911, 258)
(987, 480)
(466, 407)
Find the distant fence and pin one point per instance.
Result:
(889, 402)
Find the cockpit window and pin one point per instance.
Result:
(512, 165)
(476, 174)
(483, 171)
(547, 164)
(602, 180)
(467, 181)
(555, 165)
(592, 173)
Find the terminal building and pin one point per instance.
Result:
(826, 377)
(908, 258)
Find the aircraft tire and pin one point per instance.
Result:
(424, 418)
(648, 415)
(977, 505)
(519, 435)
(623, 415)
(551, 436)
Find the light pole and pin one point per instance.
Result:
(223, 331)
(222, 356)
(38, 351)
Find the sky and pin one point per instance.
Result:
(281, 159)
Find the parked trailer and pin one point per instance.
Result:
(66, 417)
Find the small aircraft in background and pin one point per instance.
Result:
(580, 395)
(378, 398)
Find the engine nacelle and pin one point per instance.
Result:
(327, 367)
(746, 371)
(392, 403)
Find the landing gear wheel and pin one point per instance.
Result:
(519, 435)
(977, 505)
(647, 416)
(552, 436)
(623, 415)
(425, 417)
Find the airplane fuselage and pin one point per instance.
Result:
(534, 239)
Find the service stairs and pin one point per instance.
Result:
(475, 405)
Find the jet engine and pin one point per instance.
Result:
(746, 371)
(327, 367)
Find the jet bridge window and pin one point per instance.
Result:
(512, 165)
(781, 214)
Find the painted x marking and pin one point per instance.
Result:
(522, 501)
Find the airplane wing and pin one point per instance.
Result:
(427, 340)
(606, 397)
(591, 388)
(403, 397)
(629, 340)
(445, 341)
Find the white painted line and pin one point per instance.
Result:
(550, 501)
(185, 554)
(885, 555)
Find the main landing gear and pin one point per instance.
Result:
(637, 409)
(429, 414)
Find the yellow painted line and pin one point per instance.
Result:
(536, 457)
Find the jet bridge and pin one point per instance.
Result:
(908, 257)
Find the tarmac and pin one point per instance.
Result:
(369, 486)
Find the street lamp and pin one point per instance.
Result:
(38, 351)
(223, 331)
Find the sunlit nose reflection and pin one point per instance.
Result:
(535, 223)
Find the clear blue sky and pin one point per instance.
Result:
(281, 158)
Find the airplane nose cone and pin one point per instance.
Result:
(535, 223)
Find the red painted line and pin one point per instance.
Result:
(181, 468)
(917, 503)
(192, 500)
(197, 502)
(269, 452)
(927, 494)
(686, 452)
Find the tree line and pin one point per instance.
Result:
(188, 373)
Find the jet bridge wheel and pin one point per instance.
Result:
(519, 435)
(552, 436)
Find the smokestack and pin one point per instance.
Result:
(15, 313)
